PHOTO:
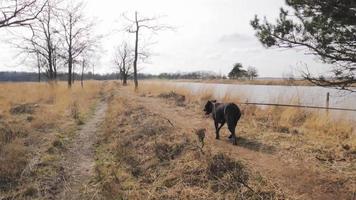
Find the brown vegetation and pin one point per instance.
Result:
(142, 154)
(157, 144)
(319, 147)
(35, 126)
(314, 127)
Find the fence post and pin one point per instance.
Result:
(327, 102)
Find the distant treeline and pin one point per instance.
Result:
(33, 77)
(191, 75)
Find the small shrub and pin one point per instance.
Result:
(23, 109)
(226, 173)
(178, 98)
(201, 136)
(166, 152)
(74, 110)
(58, 144)
(7, 135)
(151, 129)
(30, 191)
(281, 129)
(11, 131)
(75, 113)
(134, 165)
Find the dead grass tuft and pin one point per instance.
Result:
(166, 152)
(178, 98)
(27, 108)
(226, 173)
(13, 159)
(10, 130)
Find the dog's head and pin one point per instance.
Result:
(209, 107)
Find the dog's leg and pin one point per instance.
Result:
(217, 130)
(233, 135)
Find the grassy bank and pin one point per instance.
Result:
(36, 123)
(141, 154)
(151, 148)
(310, 131)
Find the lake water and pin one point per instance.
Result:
(302, 95)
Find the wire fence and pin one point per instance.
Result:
(300, 106)
(304, 106)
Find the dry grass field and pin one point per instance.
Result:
(107, 142)
(149, 148)
(37, 122)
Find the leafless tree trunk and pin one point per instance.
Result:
(82, 76)
(93, 72)
(136, 51)
(73, 74)
(76, 34)
(135, 26)
(55, 60)
(38, 66)
(69, 40)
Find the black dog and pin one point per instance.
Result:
(224, 113)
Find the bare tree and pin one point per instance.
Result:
(88, 59)
(135, 27)
(19, 12)
(76, 34)
(44, 41)
(252, 73)
(124, 58)
(82, 74)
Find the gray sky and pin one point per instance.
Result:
(210, 35)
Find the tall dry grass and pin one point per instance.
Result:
(58, 97)
(141, 155)
(313, 132)
(33, 118)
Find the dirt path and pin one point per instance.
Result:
(301, 181)
(79, 160)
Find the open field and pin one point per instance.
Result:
(107, 142)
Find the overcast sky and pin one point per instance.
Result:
(210, 35)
